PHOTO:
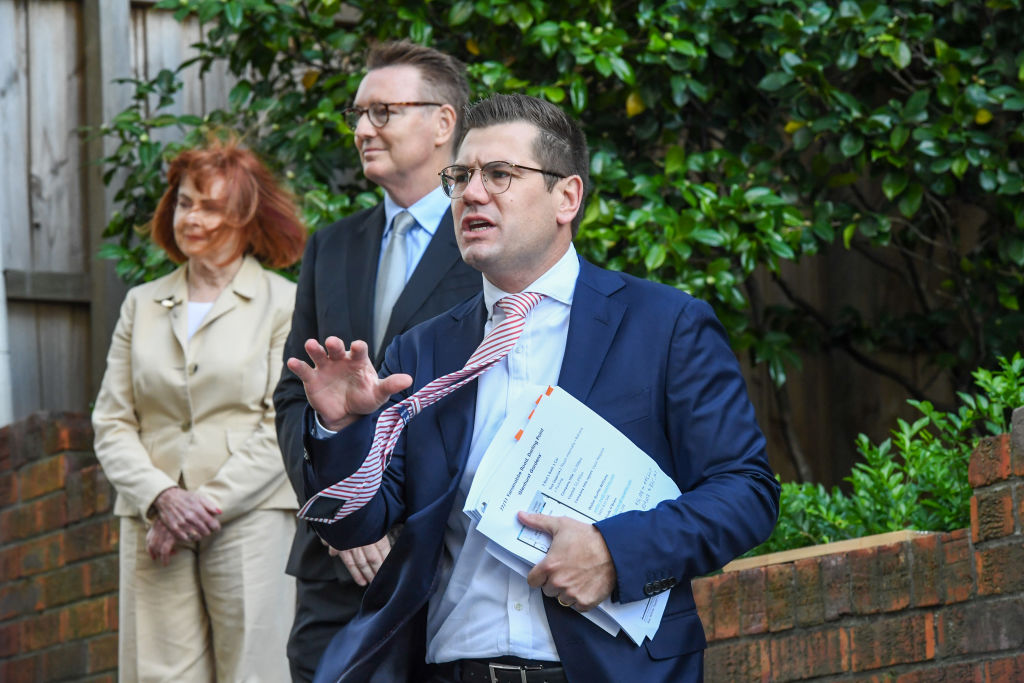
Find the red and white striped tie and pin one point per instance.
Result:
(358, 488)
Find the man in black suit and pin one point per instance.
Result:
(404, 117)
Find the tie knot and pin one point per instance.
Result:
(519, 304)
(402, 223)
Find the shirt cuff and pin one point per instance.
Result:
(319, 431)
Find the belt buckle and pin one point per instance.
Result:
(494, 667)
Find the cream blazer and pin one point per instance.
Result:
(197, 412)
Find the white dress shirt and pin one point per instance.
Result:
(428, 212)
(486, 609)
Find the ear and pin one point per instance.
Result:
(445, 125)
(568, 197)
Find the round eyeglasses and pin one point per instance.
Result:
(496, 175)
(379, 112)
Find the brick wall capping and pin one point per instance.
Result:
(889, 538)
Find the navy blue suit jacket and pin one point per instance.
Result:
(655, 363)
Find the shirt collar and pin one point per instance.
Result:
(428, 211)
(558, 283)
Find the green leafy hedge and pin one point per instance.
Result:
(917, 479)
(727, 136)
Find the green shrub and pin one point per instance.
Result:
(917, 479)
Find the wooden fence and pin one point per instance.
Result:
(58, 63)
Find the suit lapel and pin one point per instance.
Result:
(455, 345)
(437, 260)
(360, 273)
(172, 296)
(242, 287)
(593, 322)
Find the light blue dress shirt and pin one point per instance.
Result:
(428, 212)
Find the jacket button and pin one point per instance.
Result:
(193, 368)
(649, 589)
(186, 425)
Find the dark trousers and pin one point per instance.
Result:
(505, 669)
(322, 608)
(688, 668)
(439, 677)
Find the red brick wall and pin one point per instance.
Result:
(942, 607)
(58, 557)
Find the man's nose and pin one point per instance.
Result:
(476, 192)
(364, 129)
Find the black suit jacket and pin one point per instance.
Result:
(335, 297)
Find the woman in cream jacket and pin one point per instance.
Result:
(184, 425)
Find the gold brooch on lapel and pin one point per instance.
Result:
(169, 303)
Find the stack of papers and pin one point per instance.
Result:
(565, 461)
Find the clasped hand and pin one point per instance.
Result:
(342, 386)
(362, 563)
(182, 517)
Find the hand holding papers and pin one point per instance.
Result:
(565, 461)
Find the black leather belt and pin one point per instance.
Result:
(502, 670)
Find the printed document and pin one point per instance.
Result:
(564, 459)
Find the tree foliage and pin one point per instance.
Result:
(726, 135)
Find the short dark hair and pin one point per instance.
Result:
(254, 204)
(444, 75)
(560, 145)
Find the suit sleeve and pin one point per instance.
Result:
(290, 396)
(334, 458)
(730, 497)
(125, 461)
(253, 471)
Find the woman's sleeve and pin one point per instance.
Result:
(125, 461)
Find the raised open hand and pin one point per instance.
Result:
(342, 385)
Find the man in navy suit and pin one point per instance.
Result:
(404, 120)
(651, 360)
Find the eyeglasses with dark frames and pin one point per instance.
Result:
(496, 175)
(379, 112)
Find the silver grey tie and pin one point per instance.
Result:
(390, 276)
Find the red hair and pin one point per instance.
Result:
(254, 206)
